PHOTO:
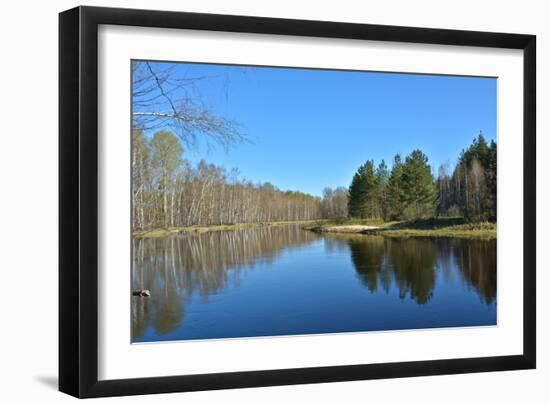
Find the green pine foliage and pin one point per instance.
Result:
(382, 179)
(474, 181)
(363, 193)
(419, 189)
(396, 190)
(409, 190)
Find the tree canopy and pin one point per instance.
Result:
(410, 191)
(165, 98)
(405, 192)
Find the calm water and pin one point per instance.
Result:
(283, 280)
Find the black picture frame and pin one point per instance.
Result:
(78, 201)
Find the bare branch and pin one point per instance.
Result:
(160, 99)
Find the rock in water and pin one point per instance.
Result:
(141, 293)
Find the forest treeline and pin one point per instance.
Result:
(169, 191)
(410, 191)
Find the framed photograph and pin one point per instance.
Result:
(251, 201)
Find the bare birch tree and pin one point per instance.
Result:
(165, 98)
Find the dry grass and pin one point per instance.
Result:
(434, 227)
(170, 231)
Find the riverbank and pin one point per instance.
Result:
(434, 227)
(170, 231)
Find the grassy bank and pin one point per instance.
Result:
(170, 231)
(348, 226)
(434, 227)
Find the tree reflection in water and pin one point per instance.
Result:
(176, 268)
(476, 260)
(412, 264)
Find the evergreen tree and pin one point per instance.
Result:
(396, 195)
(382, 179)
(356, 199)
(419, 189)
(370, 193)
(410, 191)
(479, 149)
(492, 180)
(362, 201)
(475, 180)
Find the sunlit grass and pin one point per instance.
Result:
(165, 232)
(432, 227)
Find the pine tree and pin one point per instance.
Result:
(382, 178)
(396, 195)
(370, 194)
(362, 192)
(475, 180)
(356, 199)
(492, 180)
(410, 191)
(479, 149)
(419, 189)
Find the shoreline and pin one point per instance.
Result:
(171, 231)
(435, 227)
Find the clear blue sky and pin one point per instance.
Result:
(314, 128)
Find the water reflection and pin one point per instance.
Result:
(411, 263)
(196, 267)
(477, 263)
(174, 268)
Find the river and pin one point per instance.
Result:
(283, 280)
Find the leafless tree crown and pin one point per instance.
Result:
(164, 98)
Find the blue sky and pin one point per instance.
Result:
(309, 129)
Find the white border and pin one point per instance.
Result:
(120, 359)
